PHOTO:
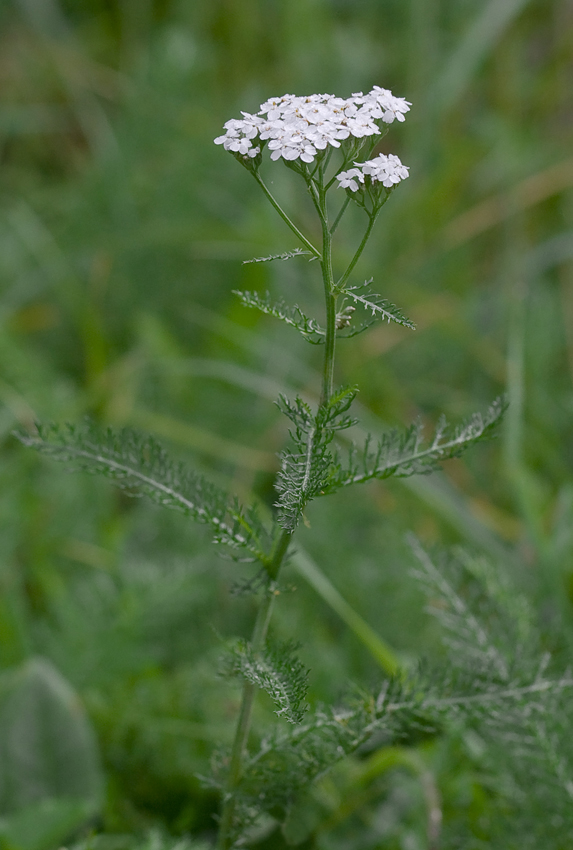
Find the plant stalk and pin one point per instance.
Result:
(285, 217)
(245, 712)
(330, 299)
(318, 193)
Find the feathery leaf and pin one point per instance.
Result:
(307, 467)
(276, 670)
(140, 466)
(403, 454)
(286, 255)
(379, 307)
(293, 316)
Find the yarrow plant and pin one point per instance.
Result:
(330, 143)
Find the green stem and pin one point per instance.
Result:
(245, 712)
(318, 193)
(373, 216)
(330, 299)
(285, 217)
(340, 214)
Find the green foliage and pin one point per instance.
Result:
(306, 470)
(498, 682)
(46, 740)
(403, 454)
(140, 466)
(276, 670)
(51, 778)
(45, 824)
(491, 680)
(380, 308)
(154, 840)
(293, 316)
(286, 255)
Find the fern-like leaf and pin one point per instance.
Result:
(503, 692)
(140, 466)
(379, 307)
(403, 454)
(286, 255)
(278, 671)
(306, 468)
(406, 708)
(293, 316)
(498, 680)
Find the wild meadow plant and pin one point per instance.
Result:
(495, 675)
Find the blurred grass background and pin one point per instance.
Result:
(122, 231)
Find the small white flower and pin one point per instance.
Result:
(387, 170)
(297, 127)
(350, 179)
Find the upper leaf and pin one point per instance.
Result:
(293, 316)
(379, 307)
(404, 453)
(286, 255)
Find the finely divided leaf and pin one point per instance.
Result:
(307, 468)
(286, 255)
(293, 316)
(508, 700)
(276, 670)
(378, 306)
(403, 454)
(288, 761)
(140, 466)
(499, 682)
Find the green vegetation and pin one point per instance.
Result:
(123, 230)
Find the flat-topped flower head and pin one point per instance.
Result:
(298, 127)
(386, 170)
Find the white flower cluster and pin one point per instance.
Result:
(299, 127)
(387, 170)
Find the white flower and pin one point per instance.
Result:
(350, 179)
(394, 107)
(387, 170)
(298, 127)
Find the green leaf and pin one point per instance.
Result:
(140, 466)
(286, 255)
(276, 670)
(155, 839)
(378, 306)
(47, 745)
(403, 454)
(293, 316)
(44, 825)
(307, 468)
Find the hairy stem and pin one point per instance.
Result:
(318, 193)
(249, 691)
